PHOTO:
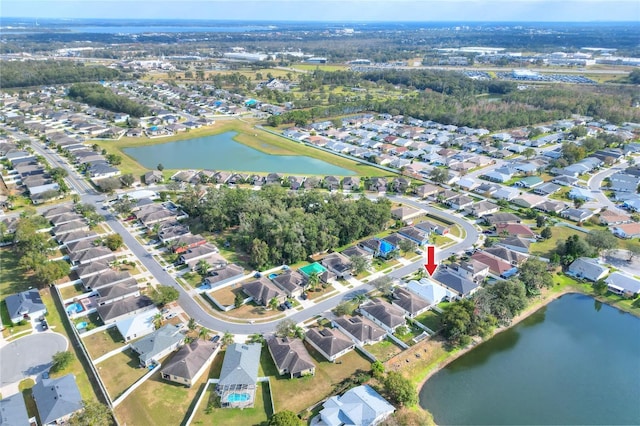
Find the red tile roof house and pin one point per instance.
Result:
(186, 242)
(626, 230)
(515, 230)
(496, 266)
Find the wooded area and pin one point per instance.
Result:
(38, 73)
(99, 96)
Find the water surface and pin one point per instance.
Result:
(573, 362)
(221, 152)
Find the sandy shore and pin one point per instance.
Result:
(545, 300)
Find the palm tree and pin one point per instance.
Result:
(227, 339)
(314, 280)
(203, 267)
(273, 303)
(204, 333)
(256, 338)
(191, 325)
(75, 198)
(158, 319)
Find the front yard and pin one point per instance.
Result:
(120, 371)
(227, 296)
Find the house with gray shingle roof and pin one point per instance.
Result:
(130, 306)
(157, 345)
(330, 342)
(239, 375)
(27, 304)
(57, 399)
(291, 282)
(190, 362)
(588, 269)
(623, 284)
(13, 411)
(361, 330)
(291, 357)
(410, 303)
(464, 287)
(263, 290)
(360, 406)
(384, 314)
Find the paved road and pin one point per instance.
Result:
(193, 309)
(21, 359)
(595, 183)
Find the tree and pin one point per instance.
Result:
(192, 324)
(165, 294)
(286, 328)
(238, 300)
(359, 264)
(61, 360)
(273, 303)
(578, 131)
(540, 221)
(285, 418)
(259, 253)
(160, 167)
(123, 206)
(384, 284)
(457, 322)
(313, 280)
(256, 338)
(94, 414)
(503, 300)
(546, 233)
(203, 267)
(204, 333)
(158, 319)
(601, 240)
(113, 241)
(406, 245)
(75, 198)
(227, 338)
(535, 275)
(127, 180)
(114, 159)
(400, 390)
(528, 153)
(48, 272)
(377, 368)
(439, 175)
(600, 287)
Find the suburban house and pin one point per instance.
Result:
(330, 342)
(57, 399)
(360, 329)
(427, 190)
(612, 217)
(352, 251)
(384, 314)
(459, 202)
(626, 230)
(576, 215)
(459, 284)
(588, 269)
(187, 241)
(409, 302)
(118, 291)
(223, 275)
(622, 284)
(291, 357)
(515, 243)
(337, 263)
(91, 255)
(360, 406)
(25, 305)
(190, 362)
(116, 311)
(75, 236)
(13, 410)
(375, 184)
(153, 176)
(104, 279)
(405, 213)
(496, 218)
(155, 346)
(351, 183)
(472, 269)
(137, 326)
(263, 290)
(430, 291)
(377, 247)
(291, 282)
(483, 208)
(196, 253)
(416, 235)
(239, 375)
(515, 230)
(430, 227)
(497, 266)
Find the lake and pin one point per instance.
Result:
(221, 152)
(576, 361)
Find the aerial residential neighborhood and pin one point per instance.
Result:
(208, 225)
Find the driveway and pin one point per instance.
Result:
(29, 356)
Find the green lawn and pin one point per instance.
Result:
(258, 415)
(120, 371)
(158, 402)
(545, 248)
(430, 319)
(298, 394)
(103, 342)
(384, 350)
(10, 328)
(12, 279)
(71, 291)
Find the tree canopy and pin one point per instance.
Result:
(99, 96)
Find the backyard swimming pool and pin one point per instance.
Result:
(81, 325)
(74, 308)
(272, 276)
(238, 397)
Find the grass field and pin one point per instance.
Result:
(298, 394)
(384, 350)
(247, 135)
(12, 279)
(120, 371)
(71, 291)
(545, 248)
(102, 343)
(430, 319)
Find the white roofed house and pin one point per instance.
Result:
(157, 345)
(360, 406)
(588, 269)
(622, 284)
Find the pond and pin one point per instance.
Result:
(576, 361)
(221, 152)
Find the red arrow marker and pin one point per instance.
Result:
(431, 264)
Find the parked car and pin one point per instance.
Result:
(215, 338)
(44, 324)
(288, 304)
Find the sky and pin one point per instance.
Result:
(331, 10)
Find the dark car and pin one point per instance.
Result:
(282, 307)
(288, 304)
(44, 324)
(215, 338)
